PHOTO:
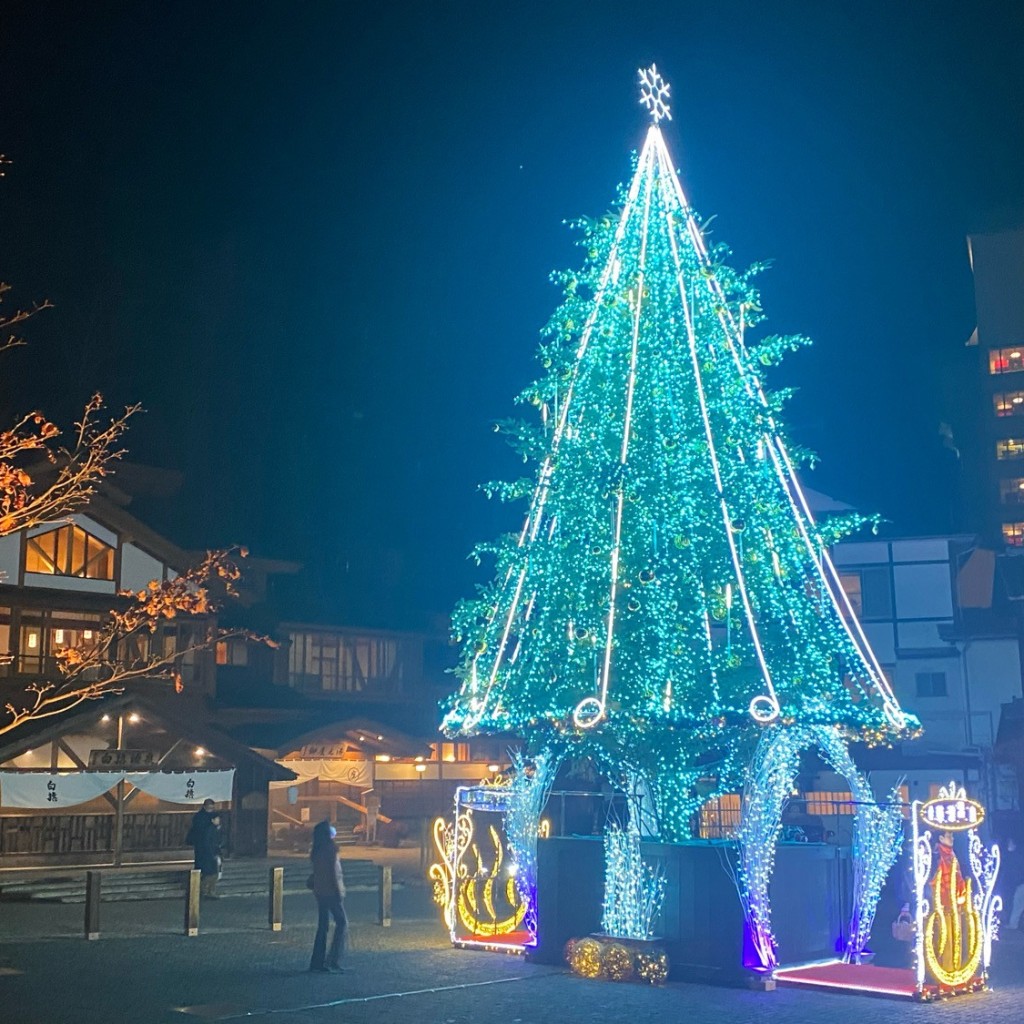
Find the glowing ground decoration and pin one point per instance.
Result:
(956, 916)
(668, 593)
(634, 892)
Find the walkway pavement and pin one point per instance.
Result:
(144, 970)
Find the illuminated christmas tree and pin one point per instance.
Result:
(669, 596)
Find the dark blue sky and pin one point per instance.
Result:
(314, 239)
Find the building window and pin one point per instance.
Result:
(6, 651)
(822, 803)
(850, 582)
(69, 551)
(1011, 491)
(1008, 403)
(720, 817)
(930, 684)
(869, 592)
(1013, 534)
(232, 652)
(1006, 360)
(452, 751)
(44, 634)
(345, 663)
(1009, 448)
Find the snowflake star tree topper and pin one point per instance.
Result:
(654, 92)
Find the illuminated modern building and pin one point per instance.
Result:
(997, 261)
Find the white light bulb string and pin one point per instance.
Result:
(535, 513)
(764, 707)
(785, 471)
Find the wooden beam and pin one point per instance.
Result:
(170, 750)
(79, 763)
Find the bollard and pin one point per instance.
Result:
(192, 903)
(384, 896)
(275, 912)
(424, 843)
(92, 904)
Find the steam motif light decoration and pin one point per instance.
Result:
(956, 917)
(487, 896)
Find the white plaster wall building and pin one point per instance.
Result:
(941, 623)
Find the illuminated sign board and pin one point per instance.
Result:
(952, 814)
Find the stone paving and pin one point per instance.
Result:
(144, 970)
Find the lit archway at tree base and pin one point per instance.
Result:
(878, 834)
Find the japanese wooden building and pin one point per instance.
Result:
(117, 781)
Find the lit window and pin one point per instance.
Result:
(1006, 360)
(69, 551)
(1009, 448)
(346, 662)
(869, 591)
(1011, 491)
(1008, 403)
(720, 817)
(45, 634)
(930, 684)
(1013, 534)
(232, 652)
(850, 582)
(821, 803)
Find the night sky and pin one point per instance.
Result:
(314, 239)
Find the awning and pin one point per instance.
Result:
(351, 773)
(56, 790)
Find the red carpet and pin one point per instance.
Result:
(514, 941)
(895, 982)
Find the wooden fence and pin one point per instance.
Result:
(94, 833)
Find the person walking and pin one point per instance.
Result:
(328, 887)
(208, 859)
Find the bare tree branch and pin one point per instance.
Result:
(121, 653)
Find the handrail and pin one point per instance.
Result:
(347, 802)
(361, 809)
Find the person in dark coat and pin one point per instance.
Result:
(328, 887)
(199, 822)
(208, 859)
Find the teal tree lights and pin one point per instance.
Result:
(668, 596)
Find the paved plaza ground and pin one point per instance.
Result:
(143, 969)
